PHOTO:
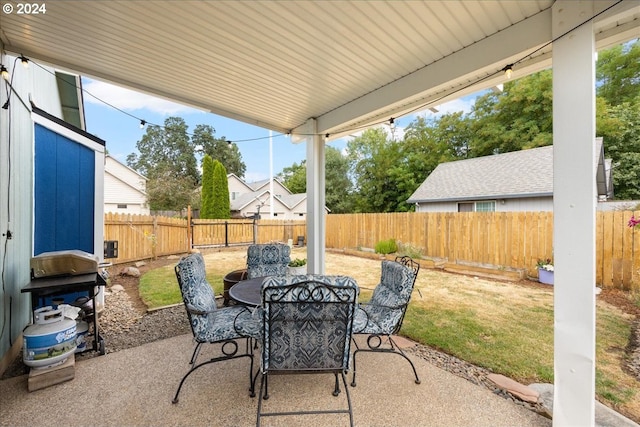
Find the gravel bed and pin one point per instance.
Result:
(123, 327)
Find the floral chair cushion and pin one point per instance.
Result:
(268, 260)
(384, 312)
(209, 323)
(307, 322)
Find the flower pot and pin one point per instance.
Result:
(545, 276)
(296, 271)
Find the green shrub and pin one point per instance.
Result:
(386, 247)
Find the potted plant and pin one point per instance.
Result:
(545, 271)
(298, 266)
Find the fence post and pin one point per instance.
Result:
(255, 228)
(154, 237)
(226, 233)
(189, 229)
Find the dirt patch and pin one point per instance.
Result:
(130, 283)
(621, 300)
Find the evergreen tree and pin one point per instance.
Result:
(221, 201)
(206, 195)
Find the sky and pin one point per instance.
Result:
(113, 114)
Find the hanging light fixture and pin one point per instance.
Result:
(142, 123)
(229, 143)
(4, 72)
(24, 60)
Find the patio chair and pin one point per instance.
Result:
(307, 329)
(382, 316)
(209, 324)
(268, 260)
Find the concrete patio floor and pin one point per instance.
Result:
(134, 387)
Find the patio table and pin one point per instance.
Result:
(247, 291)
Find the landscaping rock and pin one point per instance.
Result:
(140, 264)
(131, 271)
(116, 288)
(519, 390)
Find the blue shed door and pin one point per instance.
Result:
(64, 199)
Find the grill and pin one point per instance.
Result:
(61, 276)
(63, 263)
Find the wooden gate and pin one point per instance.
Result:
(206, 233)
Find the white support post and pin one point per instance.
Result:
(315, 200)
(574, 223)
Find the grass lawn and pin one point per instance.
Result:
(504, 327)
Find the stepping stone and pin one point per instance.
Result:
(521, 391)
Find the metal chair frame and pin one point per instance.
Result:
(296, 302)
(374, 340)
(229, 347)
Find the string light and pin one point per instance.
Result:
(229, 143)
(5, 106)
(508, 70)
(4, 72)
(24, 60)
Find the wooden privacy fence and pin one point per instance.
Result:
(144, 236)
(501, 240)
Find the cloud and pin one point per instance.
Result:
(129, 100)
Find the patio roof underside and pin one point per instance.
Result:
(348, 64)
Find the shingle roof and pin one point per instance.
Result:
(291, 200)
(245, 199)
(525, 173)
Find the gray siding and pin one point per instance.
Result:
(531, 204)
(16, 193)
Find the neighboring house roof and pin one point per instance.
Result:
(231, 176)
(257, 185)
(292, 200)
(243, 200)
(525, 173)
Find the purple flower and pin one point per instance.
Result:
(633, 222)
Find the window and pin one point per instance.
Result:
(122, 206)
(234, 195)
(477, 206)
(486, 206)
(465, 207)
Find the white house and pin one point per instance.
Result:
(124, 189)
(514, 181)
(248, 199)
